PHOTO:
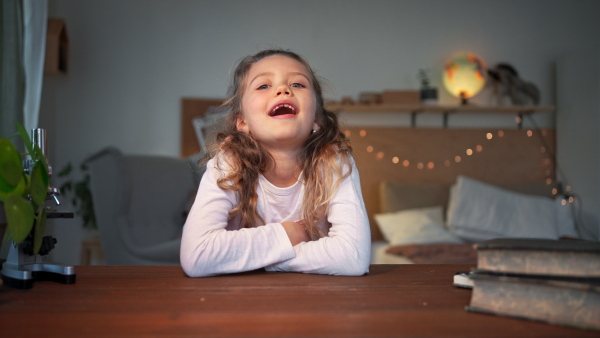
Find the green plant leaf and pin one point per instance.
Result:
(39, 230)
(25, 137)
(39, 183)
(19, 190)
(20, 216)
(11, 166)
(66, 170)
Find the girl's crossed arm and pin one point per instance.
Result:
(346, 250)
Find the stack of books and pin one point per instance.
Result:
(555, 281)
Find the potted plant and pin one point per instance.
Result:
(23, 191)
(82, 195)
(429, 94)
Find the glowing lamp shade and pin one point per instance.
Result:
(464, 75)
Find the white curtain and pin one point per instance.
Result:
(22, 53)
(35, 23)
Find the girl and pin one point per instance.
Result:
(281, 191)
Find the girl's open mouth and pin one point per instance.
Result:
(282, 109)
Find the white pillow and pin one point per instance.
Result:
(415, 226)
(479, 211)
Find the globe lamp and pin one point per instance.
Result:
(464, 75)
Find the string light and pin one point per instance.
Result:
(457, 158)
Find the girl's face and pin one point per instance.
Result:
(278, 103)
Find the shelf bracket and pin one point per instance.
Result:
(520, 117)
(413, 118)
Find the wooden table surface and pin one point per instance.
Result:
(125, 301)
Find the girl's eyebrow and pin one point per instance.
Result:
(271, 73)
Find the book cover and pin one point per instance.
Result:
(565, 301)
(574, 258)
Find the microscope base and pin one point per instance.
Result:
(21, 270)
(23, 277)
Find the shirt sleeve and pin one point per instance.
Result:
(346, 250)
(208, 248)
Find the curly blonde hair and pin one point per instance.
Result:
(323, 158)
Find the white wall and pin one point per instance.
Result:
(131, 61)
(578, 118)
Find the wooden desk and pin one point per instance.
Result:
(393, 300)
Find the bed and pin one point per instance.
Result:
(439, 223)
(432, 192)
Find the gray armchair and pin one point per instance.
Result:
(140, 204)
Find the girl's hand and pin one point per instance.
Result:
(296, 232)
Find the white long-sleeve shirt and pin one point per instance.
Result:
(211, 244)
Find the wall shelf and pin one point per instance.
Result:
(414, 110)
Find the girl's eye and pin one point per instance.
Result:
(298, 85)
(263, 86)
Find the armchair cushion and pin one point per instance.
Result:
(139, 201)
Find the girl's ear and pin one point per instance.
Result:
(241, 125)
(315, 127)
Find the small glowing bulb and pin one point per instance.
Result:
(571, 199)
(457, 159)
(479, 148)
(420, 165)
(395, 160)
(469, 152)
(430, 165)
(548, 181)
(500, 133)
(489, 136)
(363, 133)
(563, 202)
(370, 149)
(568, 188)
(347, 133)
(554, 191)
(380, 155)
(406, 163)
(447, 163)
(529, 133)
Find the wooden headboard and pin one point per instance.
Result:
(437, 156)
(427, 155)
(190, 109)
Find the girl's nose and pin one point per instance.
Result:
(282, 90)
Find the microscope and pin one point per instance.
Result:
(22, 266)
